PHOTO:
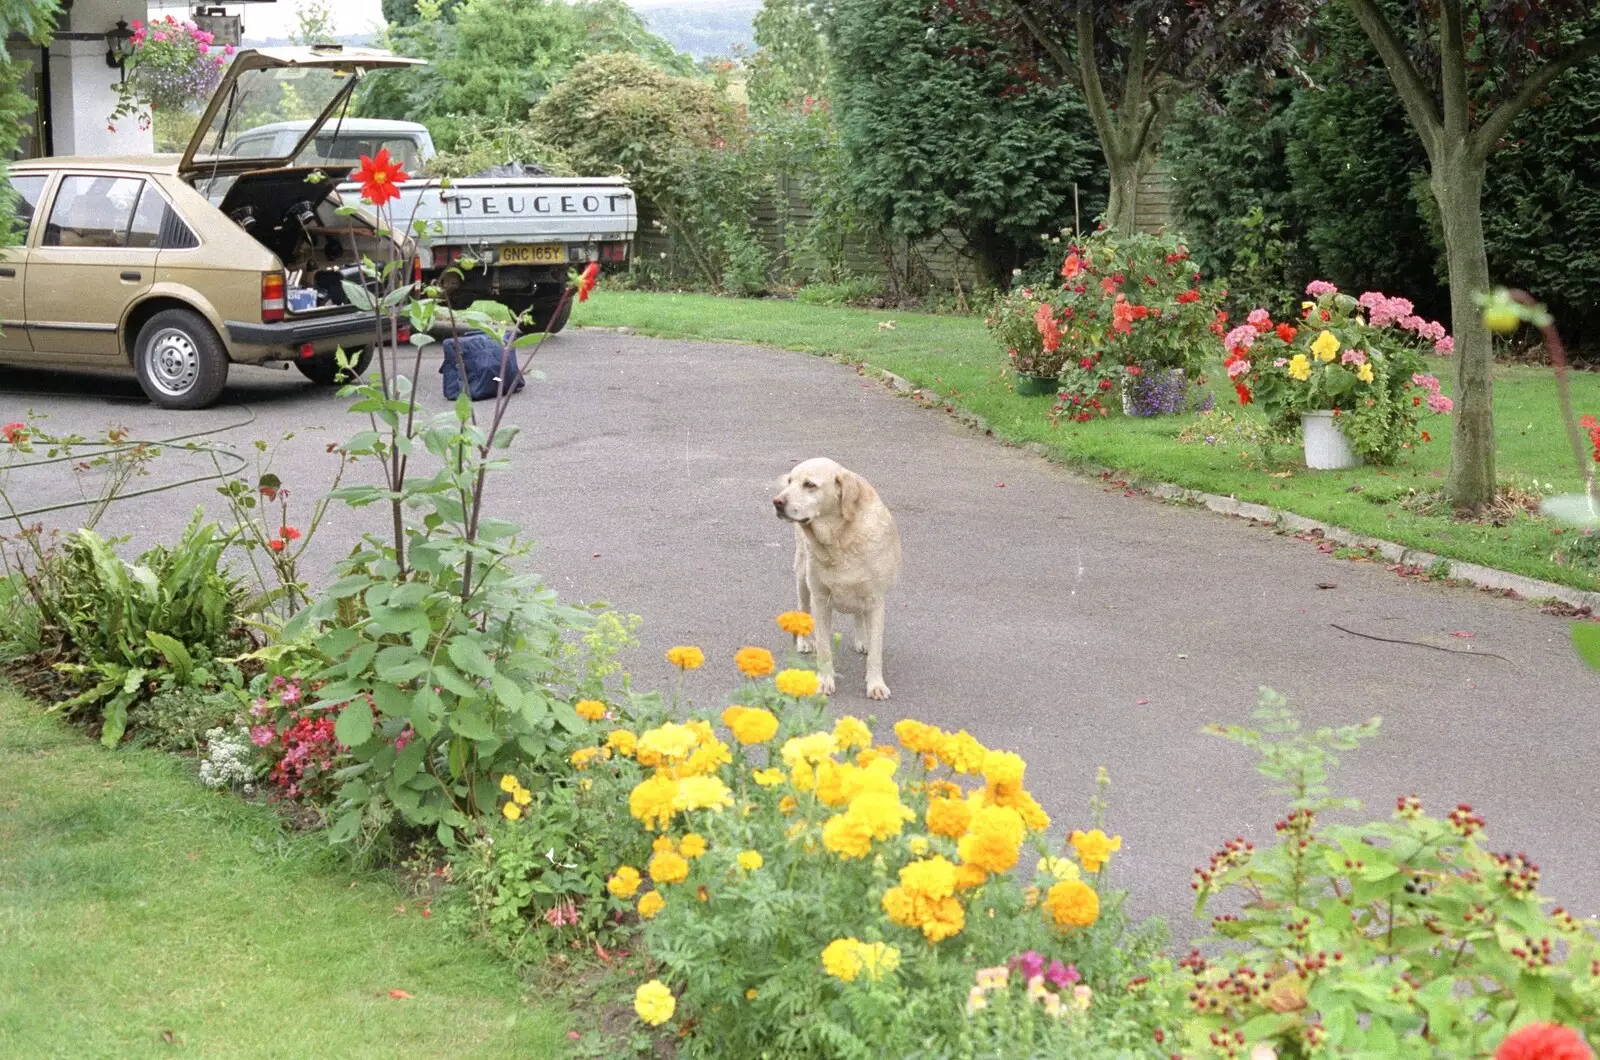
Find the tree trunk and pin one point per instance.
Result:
(1457, 181)
(1121, 214)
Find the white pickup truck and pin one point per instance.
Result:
(524, 232)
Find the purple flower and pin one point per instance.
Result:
(1030, 963)
(1061, 975)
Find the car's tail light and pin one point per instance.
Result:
(445, 256)
(613, 252)
(272, 297)
(403, 334)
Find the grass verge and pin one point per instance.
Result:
(953, 357)
(142, 915)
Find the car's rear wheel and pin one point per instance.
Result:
(180, 361)
(324, 369)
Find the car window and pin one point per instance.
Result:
(347, 149)
(93, 212)
(145, 232)
(255, 147)
(24, 193)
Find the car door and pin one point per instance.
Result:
(28, 189)
(95, 256)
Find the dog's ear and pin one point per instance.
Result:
(854, 493)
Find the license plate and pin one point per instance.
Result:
(541, 254)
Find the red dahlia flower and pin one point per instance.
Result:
(1544, 1041)
(591, 272)
(12, 433)
(380, 177)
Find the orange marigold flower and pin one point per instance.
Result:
(686, 657)
(949, 817)
(590, 709)
(796, 623)
(754, 662)
(1072, 903)
(1544, 1041)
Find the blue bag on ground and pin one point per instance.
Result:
(482, 353)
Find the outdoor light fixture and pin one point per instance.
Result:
(119, 47)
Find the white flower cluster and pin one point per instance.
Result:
(228, 759)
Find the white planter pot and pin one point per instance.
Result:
(1327, 449)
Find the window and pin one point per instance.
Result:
(145, 231)
(347, 149)
(25, 192)
(93, 212)
(254, 147)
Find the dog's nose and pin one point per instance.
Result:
(778, 503)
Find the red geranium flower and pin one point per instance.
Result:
(379, 177)
(591, 272)
(1140, 312)
(277, 544)
(1071, 267)
(1122, 316)
(13, 433)
(289, 533)
(1427, 437)
(1544, 1041)
(1243, 392)
(1188, 296)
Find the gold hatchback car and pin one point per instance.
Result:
(183, 265)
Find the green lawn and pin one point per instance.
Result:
(136, 906)
(953, 356)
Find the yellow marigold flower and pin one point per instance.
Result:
(846, 836)
(624, 883)
(750, 995)
(993, 839)
(706, 759)
(949, 817)
(522, 796)
(654, 1003)
(662, 842)
(702, 793)
(509, 783)
(1060, 868)
(650, 904)
(797, 683)
(802, 777)
(511, 811)
(841, 959)
(936, 918)
(754, 662)
(767, 778)
(796, 623)
(877, 959)
(1326, 346)
(963, 753)
(1364, 373)
(850, 732)
(881, 812)
(917, 737)
(590, 709)
(623, 742)
(1072, 903)
(931, 878)
(1003, 769)
(670, 743)
(750, 860)
(651, 801)
(686, 657)
(1033, 814)
(969, 877)
(944, 919)
(1299, 367)
(583, 756)
(750, 724)
(668, 867)
(702, 894)
(918, 846)
(787, 804)
(1030, 897)
(878, 754)
(1094, 848)
(692, 845)
(811, 748)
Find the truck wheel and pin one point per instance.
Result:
(325, 368)
(541, 310)
(180, 361)
(561, 318)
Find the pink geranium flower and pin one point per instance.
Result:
(1318, 288)
(1353, 357)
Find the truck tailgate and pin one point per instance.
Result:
(488, 211)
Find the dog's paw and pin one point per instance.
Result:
(861, 646)
(877, 690)
(825, 684)
(804, 646)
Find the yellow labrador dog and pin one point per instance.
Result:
(846, 558)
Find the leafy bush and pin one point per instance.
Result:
(843, 292)
(1360, 360)
(1399, 938)
(177, 719)
(815, 894)
(170, 617)
(496, 144)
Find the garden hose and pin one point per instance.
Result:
(215, 451)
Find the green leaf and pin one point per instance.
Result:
(116, 719)
(346, 827)
(358, 296)
(408, 762)
(426, 707)
(1586, 638)
(400, 662)
(354, 726)
(459, 749)
(470, 722)
(175, 653)
(392, 702)
(466, 654)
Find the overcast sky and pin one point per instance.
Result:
(351, 16)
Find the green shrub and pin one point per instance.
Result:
(177, 719)
(844, 292)
(1398, 938)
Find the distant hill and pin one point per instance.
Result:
(702, 28)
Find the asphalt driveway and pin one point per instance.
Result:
(1043, 612)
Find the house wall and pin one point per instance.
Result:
(82, 86)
